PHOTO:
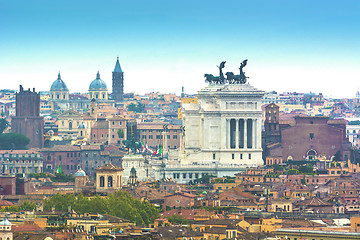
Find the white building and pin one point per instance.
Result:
(222, 133)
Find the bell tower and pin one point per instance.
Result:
(118, 83)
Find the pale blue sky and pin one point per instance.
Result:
(162, 45)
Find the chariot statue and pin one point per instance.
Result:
(231, 78)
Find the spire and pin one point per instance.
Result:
(98, 75)
(117, 66)
(59, 76)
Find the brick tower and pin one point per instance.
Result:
(27, 120)
(118, 83)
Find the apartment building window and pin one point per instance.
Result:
(150, 136)
(249, 155)
(158, 136)
(232, 156)
(143, 136)
(174, 136)
(214, 156)
(311, 135)
(241, 157)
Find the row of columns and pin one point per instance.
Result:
(241, 133)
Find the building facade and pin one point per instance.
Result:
(108, 179)
(221, 134)
(21, 161)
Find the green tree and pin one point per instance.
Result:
(306, 169)
(3, 125)
(138, 108)
(119, 204)
(120, 133)
(205, 179)
(131, 107)
(177, 219)
(16, 141)
(337, 156)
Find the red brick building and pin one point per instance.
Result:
(306, 138)
(66, 156)
(179, 200)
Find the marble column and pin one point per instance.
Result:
(254, 136)
(245, 133)
(227, 133)
(236, 133)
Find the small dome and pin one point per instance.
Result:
(80, 173)
(97, 84)
(5, 222)
(82, 126)
(59, 85)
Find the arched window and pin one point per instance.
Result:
(102, 181)
(311, 154)
(110, 181)
(70, 125)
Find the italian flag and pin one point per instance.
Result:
(158, 151)
(59, 169)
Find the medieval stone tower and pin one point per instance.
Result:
(118, 83)
(27, 120)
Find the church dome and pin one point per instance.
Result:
(5, 222)
(80, 173)
(97, 84)
(59, 85)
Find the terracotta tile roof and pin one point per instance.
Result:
(90, 147)
(5, 203)
(176, 232)
(110, 167)
(183, 194)
(26, 228)
(62, 148)
(187, 213)
(147, 192)
(30, 151)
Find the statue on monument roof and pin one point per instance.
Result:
(231, 78)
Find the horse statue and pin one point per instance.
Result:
(231, 78)
(211, 79)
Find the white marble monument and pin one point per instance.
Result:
(222, 133)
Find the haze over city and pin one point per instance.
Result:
(297, 46)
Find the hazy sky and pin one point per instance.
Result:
(163, 45)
